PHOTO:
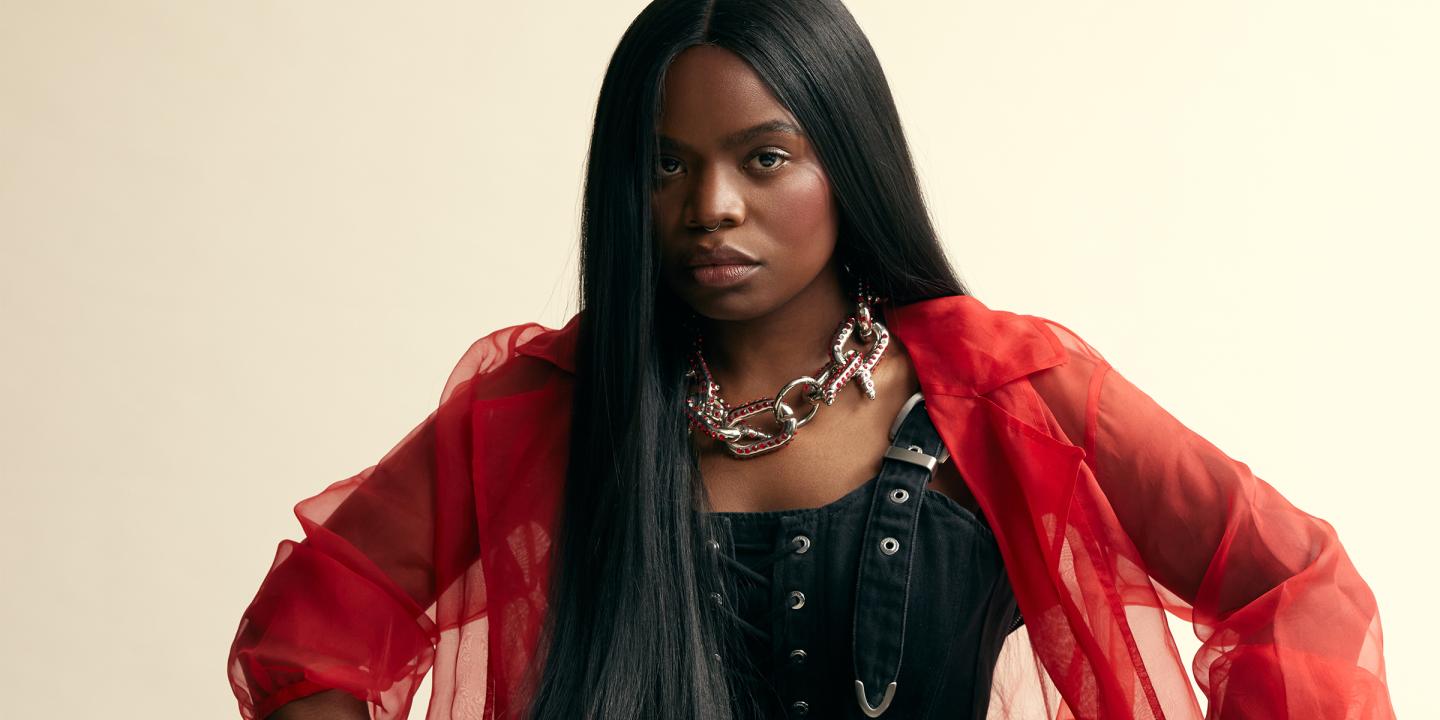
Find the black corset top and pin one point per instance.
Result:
(891, 601)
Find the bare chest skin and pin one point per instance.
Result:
(838, 451)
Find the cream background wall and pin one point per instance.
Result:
(242, 245)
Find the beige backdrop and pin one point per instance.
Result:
(245, 242)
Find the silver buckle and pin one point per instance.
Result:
(895, 429)
(912, 456)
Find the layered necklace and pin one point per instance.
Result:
(709, 412)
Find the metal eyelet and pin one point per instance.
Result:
(797, 656)
(803, 542)
(797, 599)
(800, 707)
(889, 546)
(717, 598)
(713, 544)
(899, 495)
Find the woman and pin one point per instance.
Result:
(597, 523)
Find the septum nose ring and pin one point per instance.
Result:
(711, 229)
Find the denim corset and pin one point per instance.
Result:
(891, 601)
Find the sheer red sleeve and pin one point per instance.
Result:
(360, 602)
(1288, 627)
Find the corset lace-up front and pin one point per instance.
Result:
(755, 572)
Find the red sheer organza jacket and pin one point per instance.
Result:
(1108, 512)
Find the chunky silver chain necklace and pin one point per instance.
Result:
(708, 412)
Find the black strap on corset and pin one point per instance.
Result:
(887, 555)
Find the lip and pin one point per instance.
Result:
(722, 275)
(719, 255)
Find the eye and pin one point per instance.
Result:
(667, 166)
(769, 160)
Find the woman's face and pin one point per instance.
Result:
(731, 155)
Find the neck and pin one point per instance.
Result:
(755, 357)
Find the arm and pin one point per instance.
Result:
(325, 705)
(346, 607)
(354, 611)
(1288, 627)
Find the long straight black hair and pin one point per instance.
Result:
(629, 632)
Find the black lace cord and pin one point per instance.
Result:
(759, 578)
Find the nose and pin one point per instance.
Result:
(715, 198)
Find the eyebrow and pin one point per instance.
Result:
(742, 136)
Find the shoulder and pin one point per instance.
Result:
(1074, 345)
(515, 359)
(965, 347)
